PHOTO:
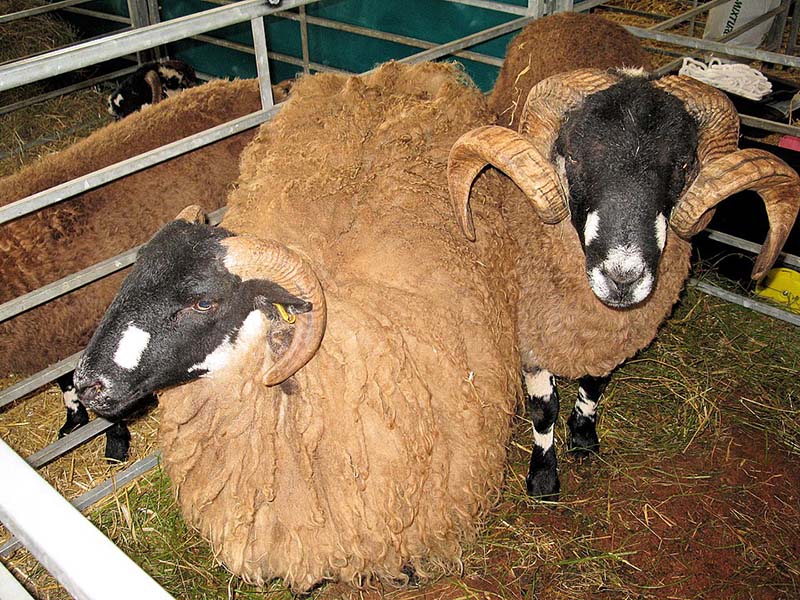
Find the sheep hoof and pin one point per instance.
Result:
(118, 442)
(542, 481)
(583, 441)
(75, 418)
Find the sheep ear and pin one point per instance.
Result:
(192, 214)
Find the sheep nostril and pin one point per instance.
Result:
(89, 392)
(624, 278)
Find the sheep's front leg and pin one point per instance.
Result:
(542, 399)
(582, 422)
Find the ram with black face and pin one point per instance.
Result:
(620, 171)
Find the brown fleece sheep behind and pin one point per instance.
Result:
(384, 450)
(47, 245)
(557, 43)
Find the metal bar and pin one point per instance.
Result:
(49, 526)
(768, 125)
(392, 37)
(792, 45)
(63, 445)
(31, 12)
(78, 185)
(96, 14)
(154, 16)
(736, 242)
(587, 5)
(304, 39)
(687, 15)
(10, 588)
(495, 6)
(137, 10)
(753, 305)
(119, 44)
(99, 492)
(77, 280)
(43, 377)
(467, 41)
(262, 62)
(65, 90)
(716, 47)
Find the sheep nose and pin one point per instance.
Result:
(623, 278)
(89, 391)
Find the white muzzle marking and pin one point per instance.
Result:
(131, 347)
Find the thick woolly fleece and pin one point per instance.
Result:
(385, 450)
(61, 239)
(562, 326)
(561, 42)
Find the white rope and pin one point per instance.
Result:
(732, 77)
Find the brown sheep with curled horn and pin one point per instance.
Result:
(620, 172)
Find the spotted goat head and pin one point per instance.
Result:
(197, 296)
(625, 157)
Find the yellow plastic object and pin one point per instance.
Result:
(781, 285)
(285, 315)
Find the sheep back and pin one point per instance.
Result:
(63, 238)
(561, 42)
(573, 333)
(385, 450)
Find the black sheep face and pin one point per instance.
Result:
(628, 153)
(177, 317)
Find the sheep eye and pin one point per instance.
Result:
(202, 306)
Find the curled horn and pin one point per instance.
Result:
(525, 157)
(550, 99)
(517, 158)
(724, 171)
(751, 169)
(253, 258)
(193, 214)
(154, 81)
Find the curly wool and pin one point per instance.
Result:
(561, 42)
(386, 449)
(61, 239)
(562, 326)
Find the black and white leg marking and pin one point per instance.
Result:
(582, 422)
(76, 413)
(542, 399)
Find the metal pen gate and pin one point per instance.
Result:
(38, 529)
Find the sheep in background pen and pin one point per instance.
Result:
(150, 84)
(58, 240)
(620, 172)
(378, 455)
(561, 42)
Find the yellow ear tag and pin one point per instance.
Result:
(285, 314)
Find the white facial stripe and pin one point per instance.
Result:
(543, 440)
(117, 101)
(131, 347)
(220, 357)
(661, 231)
(539, 384)
(633, 71)
(591, 228)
